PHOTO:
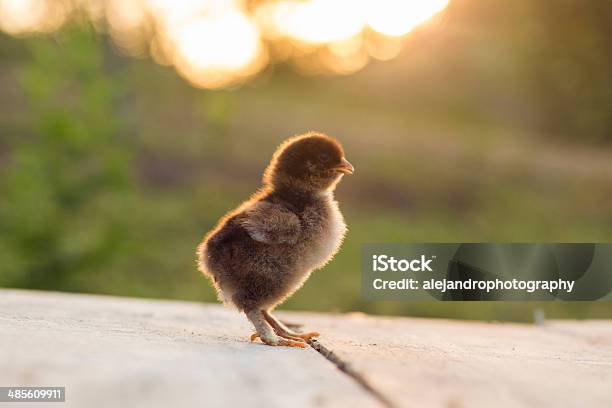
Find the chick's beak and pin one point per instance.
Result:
(345, 167)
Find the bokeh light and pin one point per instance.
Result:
(22, 17)
(214, 48)
(316, 21)
(221, 43)
(396, 18)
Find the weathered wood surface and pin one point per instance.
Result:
(122, 352)
(445, 363)
(112, 352)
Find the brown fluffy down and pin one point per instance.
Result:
(262, 252)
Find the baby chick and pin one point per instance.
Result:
(262, 252)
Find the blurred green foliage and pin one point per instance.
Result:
(493, 127)
(65, 183)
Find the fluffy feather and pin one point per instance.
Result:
(262, 252)
(271, 223)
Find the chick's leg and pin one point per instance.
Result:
(286, 332)
(265, 332)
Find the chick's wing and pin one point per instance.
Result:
(271, 223)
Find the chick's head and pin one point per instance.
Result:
(313, 161)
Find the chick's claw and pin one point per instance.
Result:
(291, 343)
(307, 336)
(277, 341)
(291, 337)
(299, 337)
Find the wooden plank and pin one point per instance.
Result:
(114, 352)
(119, 352)
(442, 363)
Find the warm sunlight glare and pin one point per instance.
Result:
(317, 21)
(220, 43)
(396, 18)
(30, 16)
(209, 51)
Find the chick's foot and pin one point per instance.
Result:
(306, 336)
(289, 336)
(278, 341)
(283, 331)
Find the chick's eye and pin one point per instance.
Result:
(324, 158)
